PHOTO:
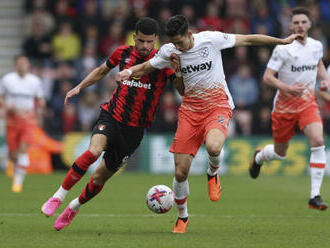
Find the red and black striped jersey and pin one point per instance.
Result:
(134, 101)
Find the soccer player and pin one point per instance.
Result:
(18, 92)
(207, 105)
(120, 127)
(298, 65)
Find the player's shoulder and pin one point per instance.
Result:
(122, 48)
(167, 49)
(314, 42)
(9, 76)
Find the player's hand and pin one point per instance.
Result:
(324, 85)
(175, 62)
(291, 38)
(296, 89)
(123, 75)
(75, 91)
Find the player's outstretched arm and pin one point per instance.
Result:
(134, 71)
(260, 39)
(94, 76)
(270, 79)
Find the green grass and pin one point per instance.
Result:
(268, 212)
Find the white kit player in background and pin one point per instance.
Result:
(19, 91)
(207, 104)
(298, 66)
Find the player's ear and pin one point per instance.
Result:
(134, 37)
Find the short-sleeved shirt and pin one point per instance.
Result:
(202, 70)
(296, 63)
(20, 92)
(134, 101)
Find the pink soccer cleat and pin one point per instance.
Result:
(65, 218)
(51, 206)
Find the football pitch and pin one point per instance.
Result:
(267, 212)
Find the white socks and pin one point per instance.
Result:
(181, 192)
(20, 168)
(75, 204)
(61, 193)
(213, 165)
(267, 154)
(317, 166)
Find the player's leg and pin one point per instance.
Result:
(80, 166)
(216, 130)
(93, 187)
(181, 190)
(21, 162)
(185, 145)
(214, 141)
(283, 127)
(314, 134)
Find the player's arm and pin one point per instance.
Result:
(322, 75)
(260, 39)
(96, 75)
(135, 71)
(270, 79)
(178, 80)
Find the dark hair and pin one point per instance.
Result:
(177, 25)
(299, 11)
(147, 26)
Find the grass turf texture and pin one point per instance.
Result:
(267, 212)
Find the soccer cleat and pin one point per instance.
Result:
(215, 189)
(50, 206)
(254, 168)
(16, 188)
(180, 225)
(65, 218)
(317, 203)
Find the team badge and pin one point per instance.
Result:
(204, 52)
(125, 159)
(101, 127)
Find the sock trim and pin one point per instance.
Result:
(317, 165)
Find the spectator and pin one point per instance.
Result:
(113, 39)
(66, 44)
(37, 46)
(211, 20)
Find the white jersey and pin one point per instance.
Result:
(20, 92)
(202, 70)
(296, 63)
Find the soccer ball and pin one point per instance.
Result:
(160, 199)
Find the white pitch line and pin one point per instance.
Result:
(156, 215)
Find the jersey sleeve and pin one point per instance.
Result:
(221, 40)
(161, 59)
(276, 60)
(113, 60)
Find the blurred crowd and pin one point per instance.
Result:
(66, 39)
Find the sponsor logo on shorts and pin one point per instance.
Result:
(125, 160)
(101, 127)
(223, 121)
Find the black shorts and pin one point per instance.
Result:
(122, 140)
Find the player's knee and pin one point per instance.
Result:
(181, 175)
(213, 149)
